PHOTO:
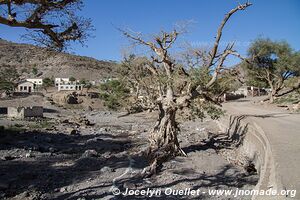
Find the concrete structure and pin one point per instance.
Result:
(61, 81)
(26, 86)
(243, 91)
(273, 143)
(250, 91)
(36, 81)
(70, 87)
(24, 112)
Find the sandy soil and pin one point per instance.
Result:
(43, 160)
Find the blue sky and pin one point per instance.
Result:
(276, 19)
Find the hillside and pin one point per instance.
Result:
(24, 58)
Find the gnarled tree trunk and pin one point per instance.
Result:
(163, 139)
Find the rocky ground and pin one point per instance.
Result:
(77, 154)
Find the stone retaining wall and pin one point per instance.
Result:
(24, 112)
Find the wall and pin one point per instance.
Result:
(27, 85)
(70, 87)
(256, 146)
(15, 112)
(21, 112)
(59, 81)
(37, 81)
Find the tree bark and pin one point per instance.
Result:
(163, 140)
(271, 98)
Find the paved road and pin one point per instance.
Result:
(282, 128)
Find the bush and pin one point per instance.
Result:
(72, 79)
(48, 82)
(114, 93)
(34, 71)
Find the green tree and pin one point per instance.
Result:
(34, 71)
(83, 81)
(48, 82)
(9, 76)
(72, 79)
(114, 94)
(272, 63)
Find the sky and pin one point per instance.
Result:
(275, 19)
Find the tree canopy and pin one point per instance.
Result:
(176, 87)
(50, 23)
(272, 63)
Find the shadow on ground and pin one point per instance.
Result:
(45, 162)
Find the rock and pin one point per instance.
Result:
(84, 121)
(66, 121)
(89, 154)
(106, 169)
(3, 95)
(109, 197)
(73, 131)
(63, 189)
(52, 150)
(23, 195)
(250, 168)
(29, 155)
(89, 108)
(71, 99)
(296, 107)
(104, 129)
(93, 95)
(129, 185)
(210, 151)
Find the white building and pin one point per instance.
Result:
(26, 86)
(36, 81)
(61, 81)
(244, 90)
(70, 87)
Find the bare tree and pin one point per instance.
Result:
(176, 87)
(51, 23)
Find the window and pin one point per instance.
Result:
(71, 87)
(61, 87)
(21, 88)
(67, 87)
(25, 88)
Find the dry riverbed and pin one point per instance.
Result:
(92, 153)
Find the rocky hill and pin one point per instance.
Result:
(33, 61)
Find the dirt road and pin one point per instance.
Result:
(282, 128)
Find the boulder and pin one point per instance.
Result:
(3, 95)
(128, 185)
(296, 107)
(73, 131)
(71, 99)
(106, 169)
(89, 153)
(89, 108)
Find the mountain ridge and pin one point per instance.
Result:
(25, 57)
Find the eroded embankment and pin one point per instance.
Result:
(256, 146)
